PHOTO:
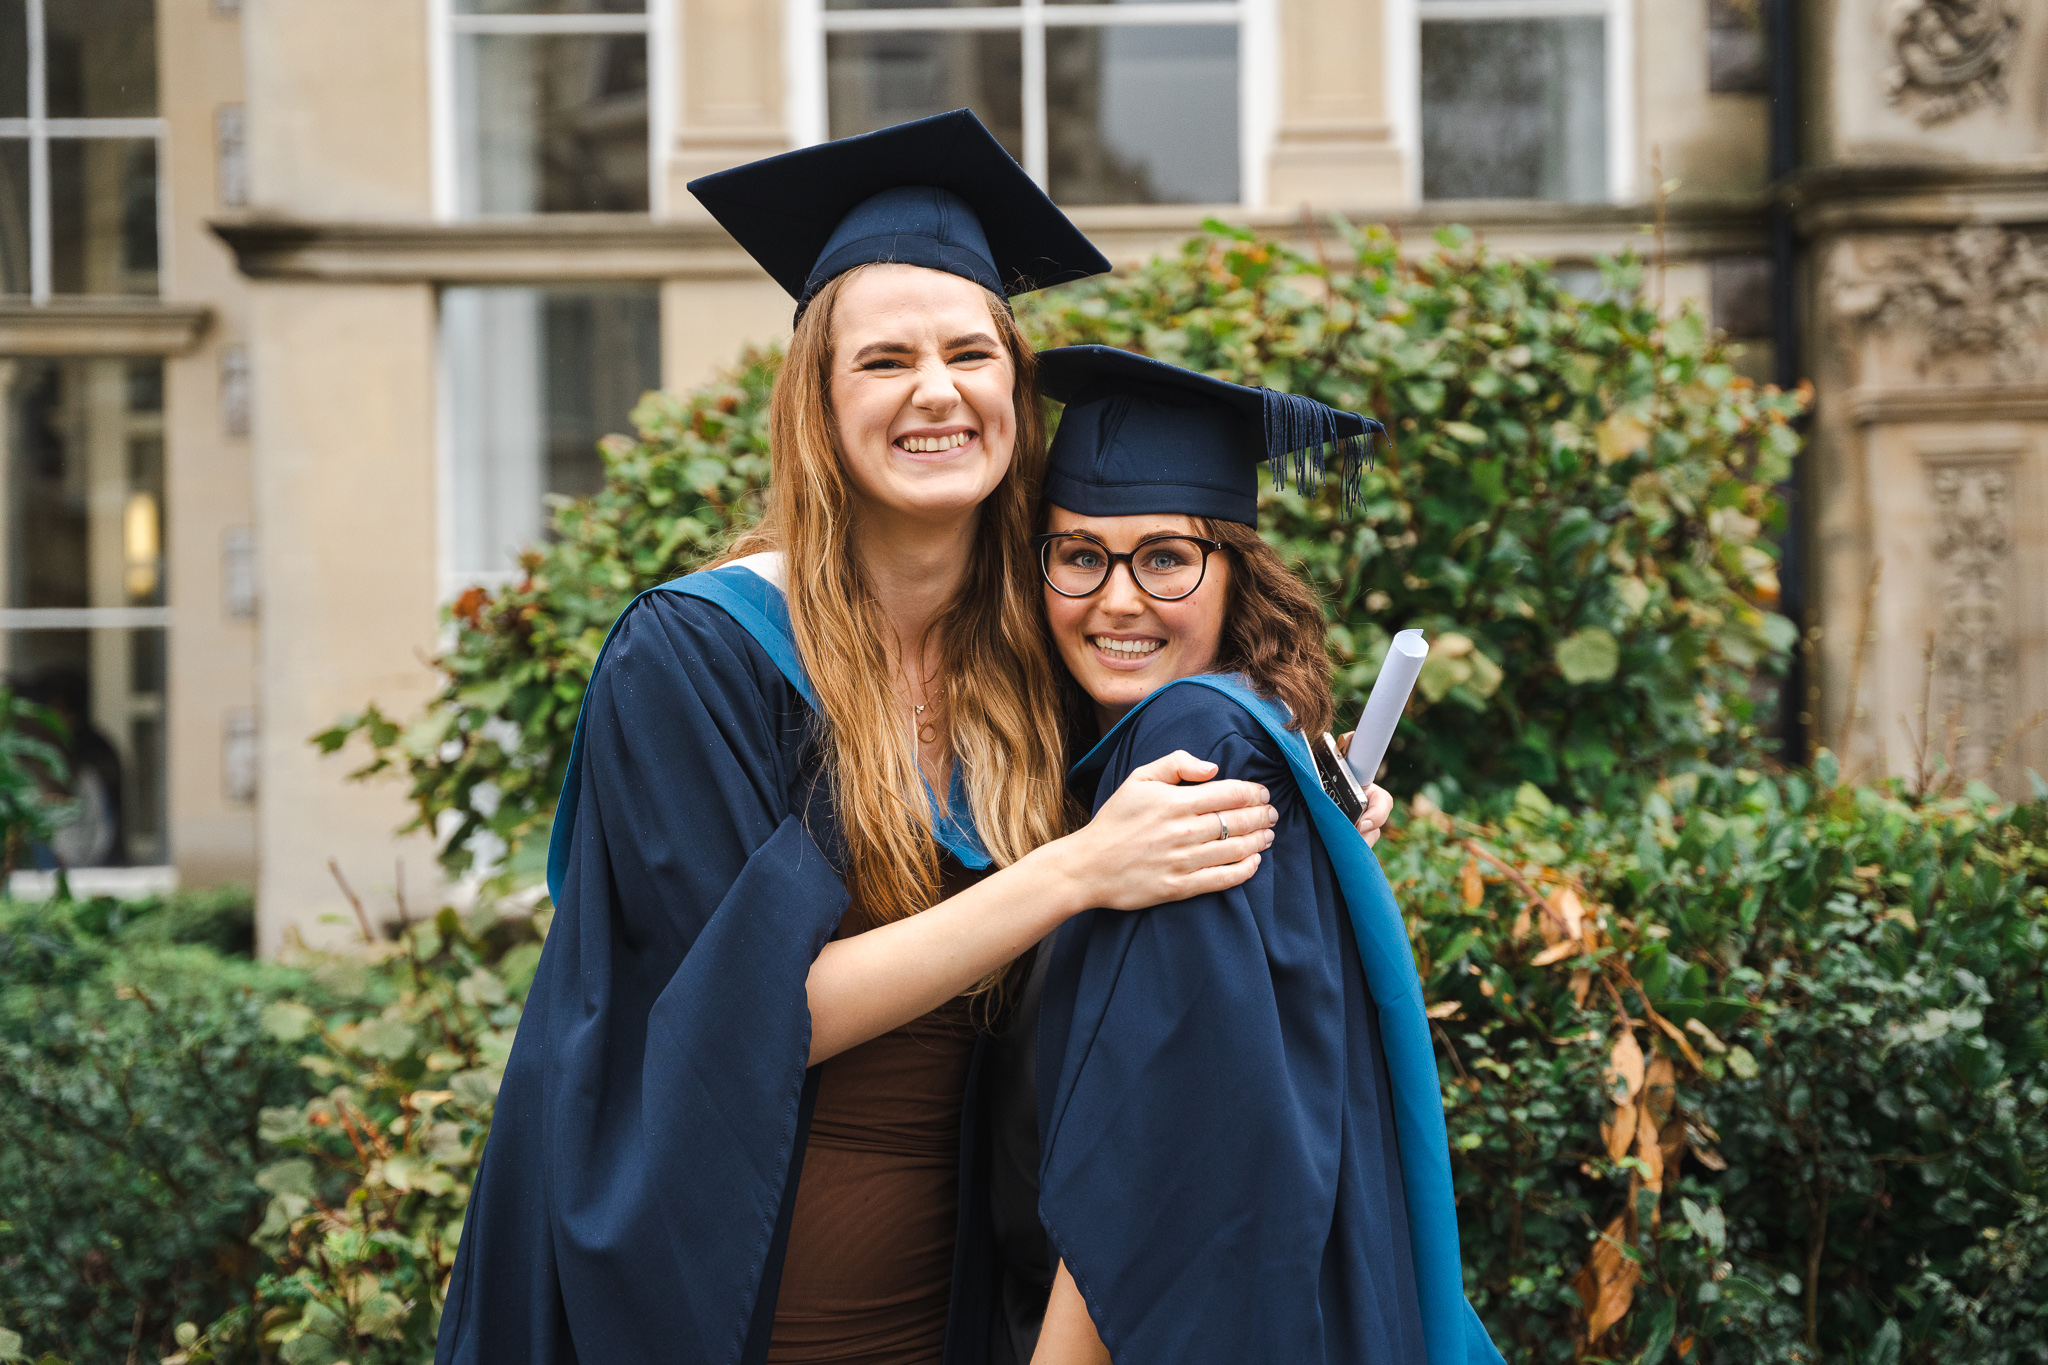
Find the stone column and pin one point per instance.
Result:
(1927, 220)
(729, 91)
(1334, 146)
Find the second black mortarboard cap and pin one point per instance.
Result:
(1140, 435)
(939, 192)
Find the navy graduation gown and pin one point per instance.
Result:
(1238, 1158)
(638, 1179)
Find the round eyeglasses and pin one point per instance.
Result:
(1076, 564)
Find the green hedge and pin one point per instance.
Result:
(133, 1068)
(1753, 1071)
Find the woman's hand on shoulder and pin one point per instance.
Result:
(1158, 839)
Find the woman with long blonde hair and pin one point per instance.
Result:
(813, 814)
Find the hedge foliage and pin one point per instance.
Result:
(133, 1068)
(1576, 503)
(1753, 1071)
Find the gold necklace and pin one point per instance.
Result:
(927, 730)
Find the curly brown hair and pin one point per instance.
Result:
(1273, 629)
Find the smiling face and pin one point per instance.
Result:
(923, 394)
(1121, 644)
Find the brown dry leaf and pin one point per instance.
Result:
(1446, 1010)
(1556, 952)
(1619, 437)
(1671, 1142)
(1705, 1035)
(1566, 902)
(1648, 1151)
(1619, 1131)
(1607, 1285)
(1471, 885)
(1522, 926)
(1582, 982)
(1697, 1135)
(1660, 1090)
(1625, 1065)
(1673, 1032)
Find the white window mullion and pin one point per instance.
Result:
(38, 161)
(443, 155)
(1033, 42)
(663, 54)
(804, 58)
(1258, 98)
(1620, 52)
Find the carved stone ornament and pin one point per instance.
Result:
(1974, 654)
(1949, 56)
(1974, 292)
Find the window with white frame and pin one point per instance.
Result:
(1525, 99)
(1131, 102)
(542, 106)
(79, 148)
(532, 378)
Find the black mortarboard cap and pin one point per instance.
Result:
(1140, 435)
(939, 192)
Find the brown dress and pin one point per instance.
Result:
(868, 1275)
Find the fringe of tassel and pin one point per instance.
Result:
(1304, 432)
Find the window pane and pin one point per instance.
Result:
(13, 216)
(103, 215)
(13, 58)
(101, 58)
(535, 378)
(550, 6)
(1142, 115)
(84, 483)
(108, 687)
(1514, 109)
(876, 79)
(551, 123)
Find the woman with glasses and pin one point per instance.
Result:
(1243, 1155)
(813, 812)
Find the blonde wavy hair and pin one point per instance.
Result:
(996, 683)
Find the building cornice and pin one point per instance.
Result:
(1830, 200)
(1949, 404)
(101, 326)
(578, 247)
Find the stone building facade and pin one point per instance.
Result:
(311, 303)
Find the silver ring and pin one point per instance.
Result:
(1224, 824)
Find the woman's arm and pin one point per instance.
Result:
(1069, 1336)
(1153, 841)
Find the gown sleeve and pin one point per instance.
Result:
(645, 1131)
(1218, 1163)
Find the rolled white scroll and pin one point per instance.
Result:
(1384, 707)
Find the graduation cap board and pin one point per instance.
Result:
(1140, 435)
(938, 192)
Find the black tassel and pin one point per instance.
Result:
(1300, 431)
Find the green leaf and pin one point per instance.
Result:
(1741, 1062)
(1885, 1345)
(292, 1176)
(286, 1020)
(1686, 334)
(386, 1038)
(1464, 432)
(1709, 1223)
(10, 1345)
(1588, 655)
